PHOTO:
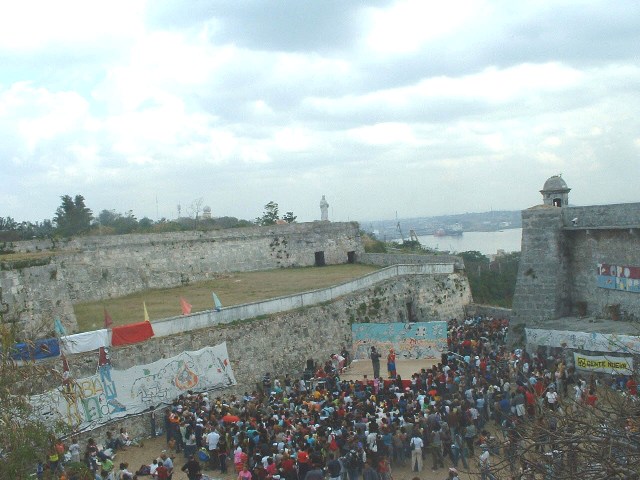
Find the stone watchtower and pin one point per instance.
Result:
(324, 210)
(555, 192)
(542, 285)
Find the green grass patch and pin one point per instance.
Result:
(231, 289)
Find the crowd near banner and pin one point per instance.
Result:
(603, 364)
(419, 340)
(87, 402)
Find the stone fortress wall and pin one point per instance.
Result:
(288, 330)
(561, 251)
(280, 343)
(95, 268)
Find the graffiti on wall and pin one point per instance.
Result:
(408, 340)
(109, 394)
(617, 277)
(591, 341)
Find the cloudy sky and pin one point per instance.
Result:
(416, 107)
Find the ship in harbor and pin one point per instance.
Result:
(454, 230)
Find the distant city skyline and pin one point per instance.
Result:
(384, 106)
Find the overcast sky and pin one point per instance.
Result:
(415, 107)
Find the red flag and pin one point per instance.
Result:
(108, 322)
(132, 333)
(186, 306)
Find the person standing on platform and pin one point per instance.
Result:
(375, 361)
(391, 364)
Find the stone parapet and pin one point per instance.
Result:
(95, 268)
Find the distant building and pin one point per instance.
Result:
(206, 212)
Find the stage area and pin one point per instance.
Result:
(405, 368)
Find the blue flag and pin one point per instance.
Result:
(59, 328)
(216, 302)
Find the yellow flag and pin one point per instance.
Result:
(146, 314)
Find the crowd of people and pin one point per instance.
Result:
(352, 430)
(361, 430)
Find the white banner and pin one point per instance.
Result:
(85, 341)
(601, 363)
(88, 402)
(596, 342)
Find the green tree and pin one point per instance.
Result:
(72, 216)
(492, 282)
(270, 214)
(145, 223)
(289, 217)
(107, 218)
(8, 224)
(126, 223)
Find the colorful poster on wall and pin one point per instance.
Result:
(409, 340)
(109, 394)
(600, 363)
(618, 277)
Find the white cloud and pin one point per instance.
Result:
(404, 104)
(31, 25)
(383, 134)
(407, 25)
(35, 114)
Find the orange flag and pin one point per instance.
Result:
(186, 306)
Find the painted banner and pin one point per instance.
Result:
(409, 340)
(593, 341)
(600, 363)
(617, 277)
(109, 394)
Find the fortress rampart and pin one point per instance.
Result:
(282, 342)
(95, 268)
(566, 264)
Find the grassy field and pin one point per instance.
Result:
(231, 289)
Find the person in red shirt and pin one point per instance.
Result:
(391, 364)
(288, 466)
(592, 398)
(162, 472)
(271, 467)
(632, 387)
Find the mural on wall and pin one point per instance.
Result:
(109, 394)
(409, 340)
(617, 277)
(592, 341)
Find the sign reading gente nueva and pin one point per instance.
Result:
(600, 363)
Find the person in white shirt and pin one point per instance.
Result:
(485, 464)
(552, 398)
(213, 437)
(416, 444)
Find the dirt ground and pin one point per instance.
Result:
(153, 447)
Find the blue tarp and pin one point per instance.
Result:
(44, 348)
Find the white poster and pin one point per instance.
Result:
(600, 363)
(88, 402)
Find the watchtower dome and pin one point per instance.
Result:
(555, 192)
